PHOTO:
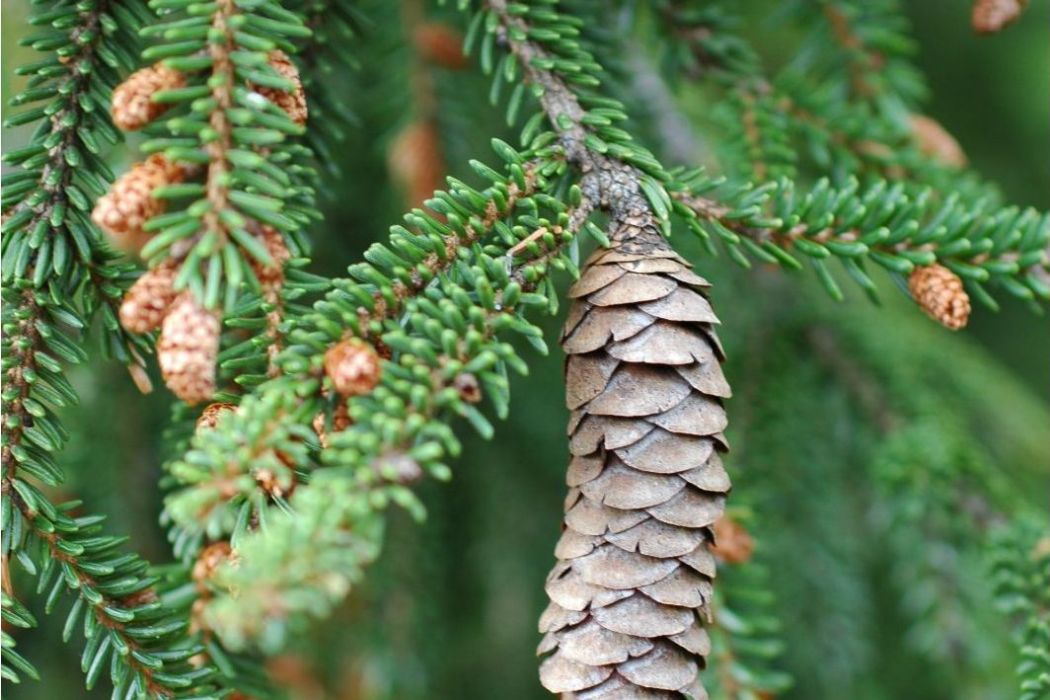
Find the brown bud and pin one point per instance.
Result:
(147, 301)
(272, 276)
(187, 349)
(733, 544)
(940, 293)
(210, 559)
(935, 141)
(991, 16)
(133, 106)
(123, 211)
(293, 101)
(440, 44)
(209, 417)
(353, 366)
(415, 161)
(467, 386)
(340, 421)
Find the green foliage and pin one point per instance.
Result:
(817, 161)
(14, 614)
(440, 300)
(256, 172)
(1021, 570)
(882, 224)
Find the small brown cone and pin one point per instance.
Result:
(415, 161)
(991, 16)
(187, 349)
(129, 204)
(940, 293)
(353, 366)
(147, 301)
(631, 590)
(293, 102)
(133, 106)
(935, 141)
(441, 45)
(271, 277)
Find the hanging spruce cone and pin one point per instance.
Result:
(293, 102)
(133, 106)
(187, 349)
(146, 303)
(991, 16)
(129, 204)
(940, 293)
(632, 587)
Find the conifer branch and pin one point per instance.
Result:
(14, 614)
(308, 556)
(1001, 247)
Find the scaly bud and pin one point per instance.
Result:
(353, 367)
(123, 211)
(293, 101)
(187, 349)
(940, 293)
(133, 106)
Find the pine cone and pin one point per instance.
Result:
(940, 293)
(415, 161)
(353, 366)
(187, 349)
(633, 583)
(293, 102)
(935, 141)
(133, 106)
(991, 16)
(147, 301)
(440, 44)
(129, 204)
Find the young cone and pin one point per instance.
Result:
(353, 367)
(935, 141)
(440, 44)
(187, 349)
(147, 301)
(130, 203)
(940, 293)
(632, 587)
(415, 161)
(991, 16)
(293, 102)
(133, 106)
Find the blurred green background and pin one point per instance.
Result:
(449, 611)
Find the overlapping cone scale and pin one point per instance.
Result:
(631, 591)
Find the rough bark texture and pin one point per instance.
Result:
(631, 590)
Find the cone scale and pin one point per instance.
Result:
(631, 590)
